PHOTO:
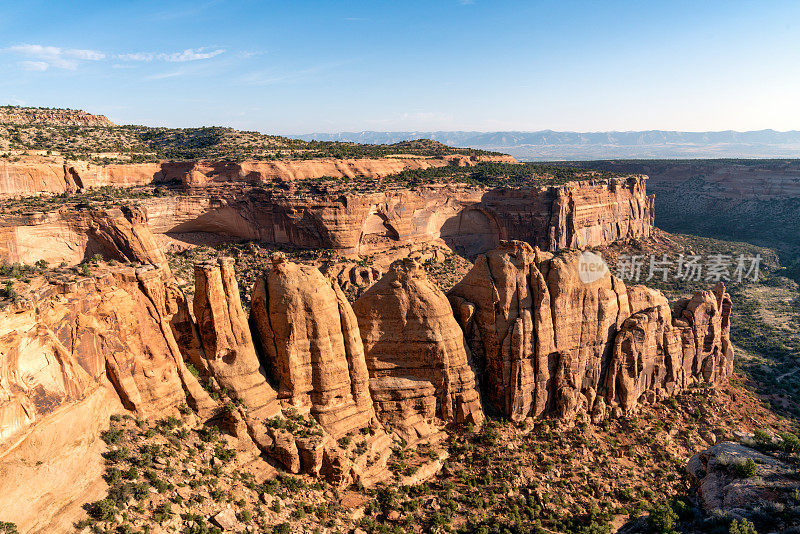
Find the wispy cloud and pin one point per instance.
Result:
(34, 65)
(40, 58)
(44, 57)
(190, 54)
(166, 75)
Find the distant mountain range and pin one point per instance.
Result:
(551, 145)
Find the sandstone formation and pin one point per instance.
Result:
(468, 220)
(418, 366)
(550, 344)
(227, 343)
(33, 177)
(310, 340)
(73, 236)
(71, 354)
(309, 335)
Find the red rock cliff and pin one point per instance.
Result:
(550, 344)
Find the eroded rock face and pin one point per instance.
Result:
(418, 366)
(71, 354)
(72, 236)
(469, 220)
(226, 340)
(550, 344)
(721, 488)
(310, 338)
(34, 177)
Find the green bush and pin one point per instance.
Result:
(113, 435)
(742, 527)
(103, 510)
(662, 519)
(746, 469)
(8, 290)
(790, 442)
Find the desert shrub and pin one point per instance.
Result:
(8, 290)
(103, 510)
(7, 527)
(112, 435)
(789, 442)
(662, 519)
(117, 455)
(209, 433)
(745, 469)
(742, 527)
(224, 454)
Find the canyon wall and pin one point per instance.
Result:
(72, 353)
(740, 200)
(31, 177)
(469, 220)
(75, 235)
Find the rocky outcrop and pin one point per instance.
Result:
(73, 236)
(227, 343)
(248, 201)
(658, 351)
(551, 344)
(310, 338)
(71, 354)
(418, 366)
(51, 117)
(727, 485)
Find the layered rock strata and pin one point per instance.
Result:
(550, 344)
(468, 220)
(73, 236)
(312, 345)
(34, 177)
(71, 354)
(227, 343)
(418, 367)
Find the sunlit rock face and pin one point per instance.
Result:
(419, 372)
(549, 343)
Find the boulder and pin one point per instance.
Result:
(226, 520)
(723, 486)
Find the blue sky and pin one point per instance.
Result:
(298, 66)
